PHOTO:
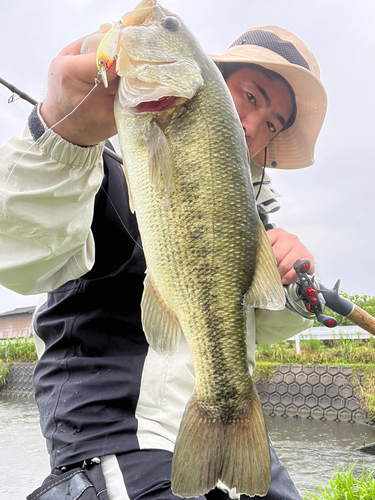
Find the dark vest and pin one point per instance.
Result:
(87, 381)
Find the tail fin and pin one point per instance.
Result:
(208, 450)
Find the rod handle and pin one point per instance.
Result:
(362, 319)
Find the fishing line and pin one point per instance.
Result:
(97, 82)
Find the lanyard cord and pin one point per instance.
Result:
(264, 170)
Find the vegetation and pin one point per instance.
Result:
(366, 390)
(4, 370)
(18, 350)
(341, 350)
(264, 371)
(345, 486)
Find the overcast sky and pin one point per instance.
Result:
(329, 206)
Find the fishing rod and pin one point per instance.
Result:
(307, 290)
(33, 101)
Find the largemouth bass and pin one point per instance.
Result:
(207, 254)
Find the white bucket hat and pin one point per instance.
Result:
(281, 51)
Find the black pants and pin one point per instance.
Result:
(147, 476)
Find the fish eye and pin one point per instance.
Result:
(171, 23)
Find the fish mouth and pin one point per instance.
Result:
(154, 106)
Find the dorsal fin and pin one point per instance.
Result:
(160, 324)
(266, 291)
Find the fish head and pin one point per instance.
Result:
(158, 59)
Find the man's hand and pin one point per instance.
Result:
(287, 249)
(71, 77)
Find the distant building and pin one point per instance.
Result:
(16, 323)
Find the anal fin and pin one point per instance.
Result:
(160, 324)
(130, 196)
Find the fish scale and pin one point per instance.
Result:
(208, 257)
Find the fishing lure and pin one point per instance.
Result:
(107, 52)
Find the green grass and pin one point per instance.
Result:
(345, 486)
(342, 350)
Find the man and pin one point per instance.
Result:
(67, 229)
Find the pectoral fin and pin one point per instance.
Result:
(266, 291)
(160, 324)
(160, 159)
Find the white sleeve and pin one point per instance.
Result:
(269, 327)
(47, 191)
(276, 326)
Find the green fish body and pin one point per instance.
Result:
(207, 254)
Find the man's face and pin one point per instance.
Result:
(263, 105)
